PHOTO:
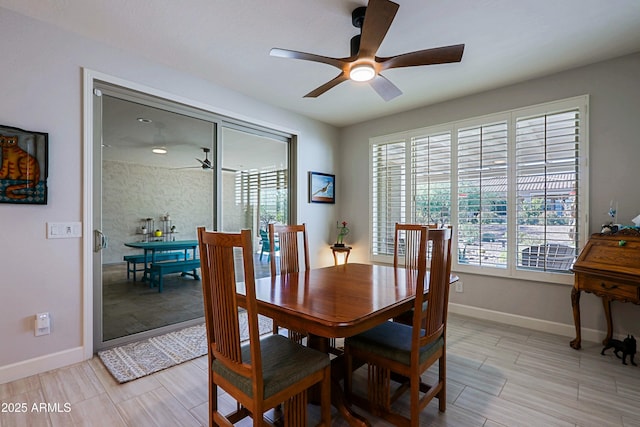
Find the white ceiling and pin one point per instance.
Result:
(126, 139)
(228, 43)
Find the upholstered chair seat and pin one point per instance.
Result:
(284, 363)
(392, 340)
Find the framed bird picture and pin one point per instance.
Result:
(322, 188)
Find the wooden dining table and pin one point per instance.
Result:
(335, 302)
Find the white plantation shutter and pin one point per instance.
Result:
(514, 185)
(388, 198)
(273, 195)
(264, 190)
(547, 169)
(482, 194)
(431, 178)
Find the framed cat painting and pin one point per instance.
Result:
(23, 166)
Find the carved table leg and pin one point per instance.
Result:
(606, 303)
(575, 304)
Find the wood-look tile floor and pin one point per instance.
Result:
(498, 375)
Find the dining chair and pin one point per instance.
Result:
(290, 238)
(407, 351)
(405, 254)
(406, 244)
(265, 245)
(262, 373)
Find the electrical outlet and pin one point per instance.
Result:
(43, 324)
(459, 287)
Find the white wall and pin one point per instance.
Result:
(614, 89)
(41, 86)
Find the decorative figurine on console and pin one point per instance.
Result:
(627, 347)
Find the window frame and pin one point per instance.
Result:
(580, 103)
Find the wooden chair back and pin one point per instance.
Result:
(429, 320)
(218, 267)
(289, 236)
(406, 245)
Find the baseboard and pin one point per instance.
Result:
(526, 322)
(40, 364)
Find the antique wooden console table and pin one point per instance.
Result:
(609, 267)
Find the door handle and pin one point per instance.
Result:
(99, 241)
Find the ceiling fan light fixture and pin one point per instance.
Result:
(363, 65)
(362, 73)
(159, 150)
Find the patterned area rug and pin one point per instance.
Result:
(135, 360)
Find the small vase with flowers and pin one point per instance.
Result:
(343, 230)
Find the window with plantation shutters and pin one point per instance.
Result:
(547, 172)
(411, 183)
(431, 178)
(513, 185)
(388, 166)
(482, 194)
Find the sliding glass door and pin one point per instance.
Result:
(153, 189)
(255, 184)
(162, 169)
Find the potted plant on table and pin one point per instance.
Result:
(342, 231)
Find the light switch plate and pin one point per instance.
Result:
(64, 230)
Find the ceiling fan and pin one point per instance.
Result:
(363, 65)
(206, 163)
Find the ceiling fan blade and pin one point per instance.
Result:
(385, 88)
(377, 20)
(204, 163)
(328, 85)
(438, 55)
(285, 53)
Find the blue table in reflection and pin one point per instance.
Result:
(151, 248)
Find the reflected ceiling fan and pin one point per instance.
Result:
(206, 163)
(363, 65)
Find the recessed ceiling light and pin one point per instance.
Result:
(144, 120)
(159, 150)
